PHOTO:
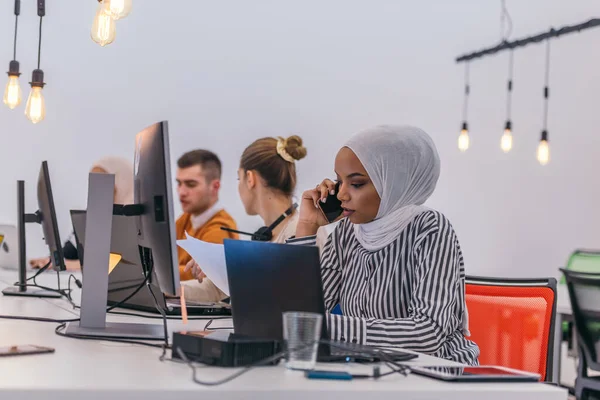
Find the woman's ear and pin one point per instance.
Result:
(251, 179)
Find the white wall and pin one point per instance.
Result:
(225, 73)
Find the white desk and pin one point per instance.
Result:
(98, 370)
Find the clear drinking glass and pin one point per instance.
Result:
(301, 332)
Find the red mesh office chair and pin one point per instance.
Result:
(512, 322)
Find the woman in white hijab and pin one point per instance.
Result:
(394, 266)
(123, 194)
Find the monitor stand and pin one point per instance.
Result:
(94, 293)
(29, 292)
(20, 289)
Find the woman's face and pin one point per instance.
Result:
(357, 193)
(245, 186)
(100, 170)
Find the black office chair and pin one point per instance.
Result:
(584, 292)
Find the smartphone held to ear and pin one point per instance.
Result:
(332, 208)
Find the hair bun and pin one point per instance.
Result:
(294, 147)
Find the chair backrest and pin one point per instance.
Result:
(512, 322)
(584, 292)
(583, 261)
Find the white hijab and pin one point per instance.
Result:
(404, 165)
(123, 171)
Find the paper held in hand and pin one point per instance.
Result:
(210, 257)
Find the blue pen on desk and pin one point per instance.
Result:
(340, 375)
(336, 375)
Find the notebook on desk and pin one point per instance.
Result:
(127, 276)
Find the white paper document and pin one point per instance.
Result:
(210, 257)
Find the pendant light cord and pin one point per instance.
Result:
(40, 44)
(547, 83)
(510, 85)
(505, 16)
(15, 41)
(467, 90)
(17, 11)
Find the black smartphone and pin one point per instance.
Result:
(332, 208)
(24, 350)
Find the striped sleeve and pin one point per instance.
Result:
(430, 312)
(347, 329)
(303, 241)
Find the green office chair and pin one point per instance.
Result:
(583, 261)
(580, 261)
(584, 292)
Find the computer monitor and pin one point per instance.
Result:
(155, 231)
(46, 216)
(153, 190)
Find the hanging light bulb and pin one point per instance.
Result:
(507, 140)
(543, 150)
(117, 9)
(104, 28)
(12, 93)
(35, 110)
(463, 138)
(36, 105)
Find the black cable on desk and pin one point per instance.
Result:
(38, 319)
(377, 352)
(146, 279)
(60, 328)
(44, 268)
(231, 377)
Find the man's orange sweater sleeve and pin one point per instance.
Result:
(212, 233)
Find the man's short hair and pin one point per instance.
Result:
(210, 163)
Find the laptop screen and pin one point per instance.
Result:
(267, 279)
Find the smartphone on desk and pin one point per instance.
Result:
(332, 208)
(23, 350)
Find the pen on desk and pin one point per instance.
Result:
(342, 375)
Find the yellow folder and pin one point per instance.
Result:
(113, 261)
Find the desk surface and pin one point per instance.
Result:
(95, 369)
(563, 303)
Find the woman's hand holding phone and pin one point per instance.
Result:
(311, 216)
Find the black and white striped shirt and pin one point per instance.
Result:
(410, 294)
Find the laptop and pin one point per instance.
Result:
(127, 275)
(9, 249)
(267, 279)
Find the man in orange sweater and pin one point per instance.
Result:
(198, 184)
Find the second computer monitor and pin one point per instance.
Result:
(153, 190)
(47, 217)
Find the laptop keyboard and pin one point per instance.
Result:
(353, 350)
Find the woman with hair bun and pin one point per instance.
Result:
(267, 180)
